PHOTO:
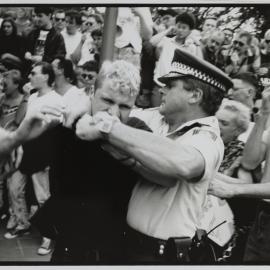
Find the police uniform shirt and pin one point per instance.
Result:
(164, 212)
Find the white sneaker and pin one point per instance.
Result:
(16, 232)
(45, 247)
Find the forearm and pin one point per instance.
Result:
(259, 191)
(158, 37)
(158, 154)
(254, 150)
(229, 179)
(153, 177)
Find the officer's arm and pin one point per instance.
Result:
(160, 155)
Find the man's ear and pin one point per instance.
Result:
(197, 95)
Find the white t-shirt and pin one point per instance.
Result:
(164, 212)
(167, 47)
(71, 41)
(87, 51)
(40, 45)
(51, 97)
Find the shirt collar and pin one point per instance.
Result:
(210, 121)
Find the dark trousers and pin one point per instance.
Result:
(83, 255)
(258, 243)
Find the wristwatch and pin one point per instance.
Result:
(105, 126)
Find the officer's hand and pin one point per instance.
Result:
(86, 129)
(77, 104)
(221, 189)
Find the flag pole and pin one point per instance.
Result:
(109, 32)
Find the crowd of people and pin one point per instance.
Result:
(114, 161)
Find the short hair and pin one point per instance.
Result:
(73, 14)
(186, 18)
(67, 67)
(47, 69)
(97, 17)
(59, 11)
(247, 35)
(212, 97)
(248, 77)
(45, 10)
(123, 75)
(97, 33)
(168, 11)
(17, 78)
(90, 66)
(210, 18)
(241, 111)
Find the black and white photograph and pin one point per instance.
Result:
(134, 134)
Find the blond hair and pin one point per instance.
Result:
(124, 77)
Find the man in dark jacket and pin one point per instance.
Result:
(44, 43)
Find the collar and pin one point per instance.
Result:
(210, 121)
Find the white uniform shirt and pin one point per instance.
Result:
(164, 212)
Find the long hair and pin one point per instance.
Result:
(14, 27)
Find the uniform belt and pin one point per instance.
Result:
(144, 243)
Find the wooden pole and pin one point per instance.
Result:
(107, 49)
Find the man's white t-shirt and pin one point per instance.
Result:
(71, 41)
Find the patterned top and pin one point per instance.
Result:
(233, 151)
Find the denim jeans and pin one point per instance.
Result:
(17, 204)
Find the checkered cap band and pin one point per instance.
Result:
(181, 68)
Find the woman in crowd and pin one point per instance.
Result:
(11, 45)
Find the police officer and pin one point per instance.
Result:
(177, 162)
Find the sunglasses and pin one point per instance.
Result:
(87, 76)
(241, 44)
(33, 73)
(89, 23)
(60, 19)
(267, 41)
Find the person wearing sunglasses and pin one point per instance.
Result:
(86, 76)
(244, 55)
(43, 43)
(59, 20)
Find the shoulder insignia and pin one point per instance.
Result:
(211, 133)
